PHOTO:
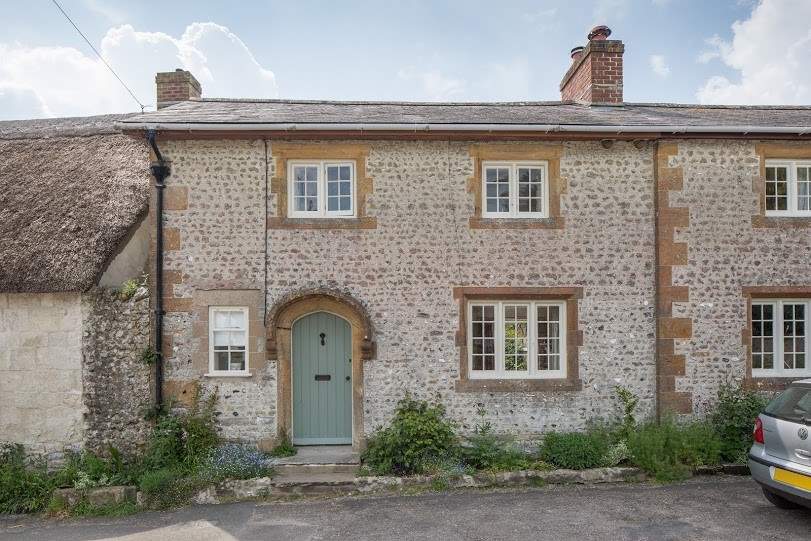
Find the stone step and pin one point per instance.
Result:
(313, 483)
(315, 469)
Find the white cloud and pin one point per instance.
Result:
(659, 65)
(64, 81)
(112, 13)
(434, 85)
(771, 51)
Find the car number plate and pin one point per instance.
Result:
(796, 480)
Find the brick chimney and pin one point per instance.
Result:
(595, 75)
(176, 86)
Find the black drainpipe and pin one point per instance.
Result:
(160, 171)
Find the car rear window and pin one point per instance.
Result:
(793, 404)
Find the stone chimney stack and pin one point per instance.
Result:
(595, 75)
(176, 86)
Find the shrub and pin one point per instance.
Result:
(24, 487)
(629, 403)
(668, 451)
(418, 433)
(284, 447)
(616, 455)
(128, 289)
(733, 418)
(575, 450)
(488, 451)
(233, 461)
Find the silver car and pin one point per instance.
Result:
(780, 458)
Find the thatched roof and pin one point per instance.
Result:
(71, 190)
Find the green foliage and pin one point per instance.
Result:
(284, 447)
(148, 355)
(418, 433)
(486, 450)
(733, 418)
(25, 486)
(629, 403)
(669, 451)
(183, 440)
(575, 450)
(169, 487)
(128, 289)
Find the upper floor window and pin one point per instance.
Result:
(228, 340)
(321, 189)
(788, 188)
(517, 339)
(515, 190)
(779, 340)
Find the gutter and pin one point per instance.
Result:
(372, 127)
(160, 170)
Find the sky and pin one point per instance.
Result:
(682, 51)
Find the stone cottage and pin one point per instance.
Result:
(73, 201)
(315, 261)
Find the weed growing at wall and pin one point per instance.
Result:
(733, 418)
(284, 447)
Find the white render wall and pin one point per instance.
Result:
(41, 370)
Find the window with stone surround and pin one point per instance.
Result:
(515, 190)
(518, 338)
(779, 344)
(788, 188)
(228, 340)
(321, 189)
(516, 186)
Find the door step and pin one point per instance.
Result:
(319, 461)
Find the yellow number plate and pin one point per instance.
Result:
(796, 480)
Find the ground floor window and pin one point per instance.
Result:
(228, 338)
(779, 342)
(517, 339)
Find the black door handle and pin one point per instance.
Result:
(348, 378)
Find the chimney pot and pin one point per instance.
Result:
(599, 33)
(595, 75)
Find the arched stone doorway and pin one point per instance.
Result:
(280, 326)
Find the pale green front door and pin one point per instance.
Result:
(322, 380)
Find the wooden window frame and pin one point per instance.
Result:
(511, 153)
(569, 296)
(758, 379)
(284, 152)
(778, 370)
(514, 213)
(793, 210)
(212, 371)
(322, 194)
(532, 371)
(776, 152)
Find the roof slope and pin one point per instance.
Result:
(70, 191)
(230, 111)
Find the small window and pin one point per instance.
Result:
(515, 190)
(517, 339)
(228, 340)
(779, 340)
(322, 189)
(788, 188)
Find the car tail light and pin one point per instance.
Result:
(758, 432)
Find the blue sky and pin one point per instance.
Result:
(676, 50)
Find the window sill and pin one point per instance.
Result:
(781, 221)
(517, 385)
(479, 222)
(228, 375)
(365, 222)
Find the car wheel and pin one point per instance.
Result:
(779, 501)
